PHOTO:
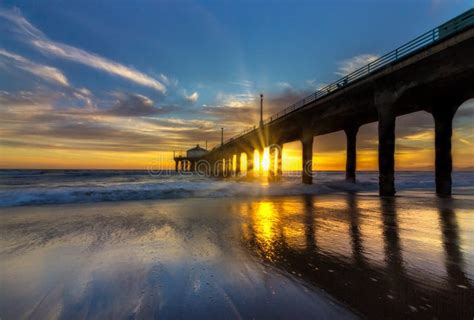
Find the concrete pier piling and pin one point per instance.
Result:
(272, 173)
(351, 138)
(307, 142)
(443, 119)
(250, 156)
(386, 130)
(279, 161)
(237, 164)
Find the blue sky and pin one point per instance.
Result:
(175, 62)
(207, 46)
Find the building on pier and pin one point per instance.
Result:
(187, 162)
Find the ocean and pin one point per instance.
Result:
(36, 187)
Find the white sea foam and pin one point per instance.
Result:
(27, 187)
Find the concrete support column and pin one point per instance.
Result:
(271, 171)
(279, 161)
(443, 118)
(386, 151)
(237, 164)
(250, 156)
(307, 142)
(227, 167)
(176, 165)
(230, 168)
(220, 167)
(351, 138)
(224, 167)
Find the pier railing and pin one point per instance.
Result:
(433, 36)
(179, 154)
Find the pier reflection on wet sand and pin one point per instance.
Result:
(385, 258)
(244, 258)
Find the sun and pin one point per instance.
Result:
(266, 160)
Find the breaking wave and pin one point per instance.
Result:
(35, 187)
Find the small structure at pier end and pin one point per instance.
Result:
(188, 162)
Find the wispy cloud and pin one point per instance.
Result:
(284, 85)
(47, 73)
(134, 105)
(95, 61)
(192, 97)
(427, 135)
(349, 65)
(313, 84)
(40, 41)
(243, 83)
(29, 119)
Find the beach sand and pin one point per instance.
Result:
(294, 257)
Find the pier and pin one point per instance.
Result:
(433, 73)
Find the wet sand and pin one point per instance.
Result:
(299, 257)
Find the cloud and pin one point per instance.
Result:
(349, 65)
(192, 97)
(243, 83)
(311, 83)
(134, 105)
(38, 39)
(284, 85)
(168, 81)
(420, 136)
(98, 62)
(30, 119)
(232, 117)
(47, 73)
(24, 99)
(238, 112)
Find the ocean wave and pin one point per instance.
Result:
(31, 188)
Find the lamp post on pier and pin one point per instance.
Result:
(261, 110)
(222, 137)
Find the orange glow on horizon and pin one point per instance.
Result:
(414, 151)
(23, 158)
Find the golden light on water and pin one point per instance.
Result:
(264, 227)
(264, 221)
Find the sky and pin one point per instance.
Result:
(116, 84)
